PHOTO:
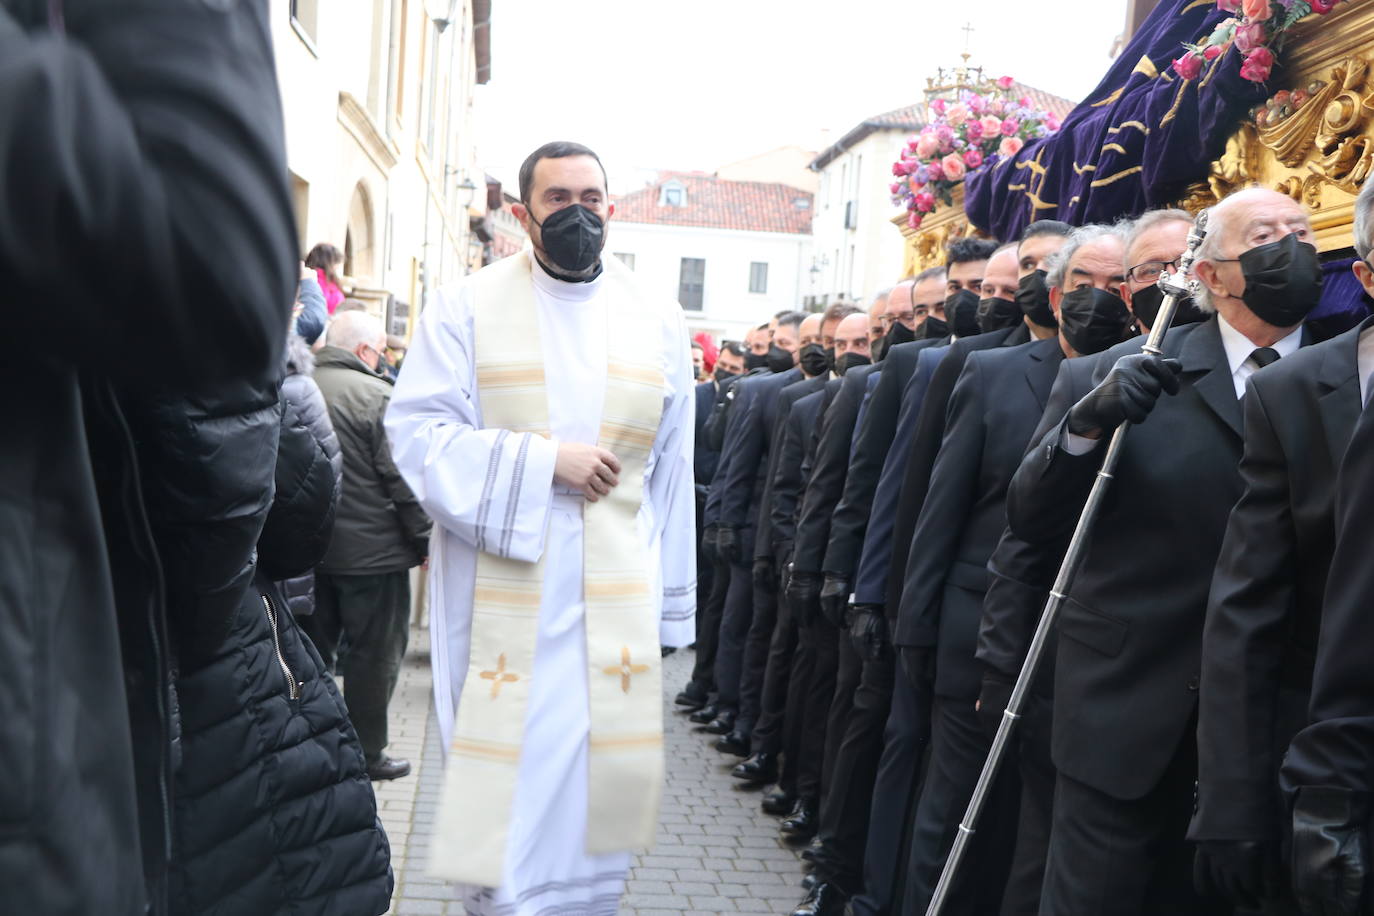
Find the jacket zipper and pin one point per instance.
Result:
(293, 687)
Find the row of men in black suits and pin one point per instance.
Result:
(917, 510)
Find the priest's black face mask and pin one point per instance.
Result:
(572, 238)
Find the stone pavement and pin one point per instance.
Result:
(716, 852)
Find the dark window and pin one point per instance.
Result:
(305, 14)
(690, 283)
(758, 277)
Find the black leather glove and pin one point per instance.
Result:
(1330, 866)
(728, 543)
(708, 543)
(835, 600)
(868, 631)
(918, 664)
(1241, 871)
(804, 597)
(993, 700)
(1126, 395)
(764, 576)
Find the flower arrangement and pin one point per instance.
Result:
(1256, 31)
(963, 134)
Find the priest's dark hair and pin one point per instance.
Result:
(962, 251)
(1046, 227)
(558, 149)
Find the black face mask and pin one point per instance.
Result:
(722, 374)
(995, 314)
(897, 334)
(1283, 281)
(1093, 319)
(573, 238)
(934, 328)
(814, 361)
(1146, 303)
(777, 359)
(1033, 296)
(754, 361)
(849, 361)
(961, 310)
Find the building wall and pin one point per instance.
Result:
(378, 107)
(784, 165)
(728, 308)
(853, 263)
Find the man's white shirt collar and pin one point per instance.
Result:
(1239, 349)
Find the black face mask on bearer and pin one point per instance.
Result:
(849, 361)
(572, 237)
(1093, 319)
(1033, 296)
(1283, 281)
(961, 310)
(995, 314)
(814, 361)
(897, 334)
(754, 361)
(1146, 304)
(777, 359)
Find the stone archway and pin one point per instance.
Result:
(360, 250)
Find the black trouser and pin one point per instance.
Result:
(703, 682)
(757, 647)
(1110, 857)
(1032, 743)
(850, 783)
(809, 695)
(772, 726)
(704, 568)
(896, 792)
(362, 624)
(958, 749)
(734, 629)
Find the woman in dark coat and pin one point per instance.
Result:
(272, 809)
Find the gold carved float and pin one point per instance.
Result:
(1319, 152)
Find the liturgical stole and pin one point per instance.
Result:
(624, 665)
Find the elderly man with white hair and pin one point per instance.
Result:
(380, 533)
(1129, 656)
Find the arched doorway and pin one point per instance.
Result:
(360, 252)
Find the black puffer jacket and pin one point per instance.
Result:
(303, 473)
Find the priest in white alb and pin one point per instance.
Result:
(544, 419)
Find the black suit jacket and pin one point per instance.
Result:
(871, 445)
(925, 445)
(786, 481)
(1130, 630)
(829, 466)
(999, 399)
(724, 427)
(766, 544)
(1337, 749)
(1265, 606)
(743, 484)
(704, 457)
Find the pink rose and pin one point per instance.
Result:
(925, 201)
(1005, 82)
(1052, 123)
(956, 115)
(935, 171)
(1256, 9)
(927, 145)
(1010, 146)
(954, 167)
(1010, 126)
(973, 159)
(914, 220)
(1248, 37)
(974, 131)
(1189, 66)
(991, 126)
(977, 104)
(1024, 101)
(1323, 6)
(1257, 65)
(944, 134)
(1229, 6)
(1212, 52)
(997, 107)
(938, 106)
(899, 169)
(895, 188)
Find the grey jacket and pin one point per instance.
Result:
(379, 526)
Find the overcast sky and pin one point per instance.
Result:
(658, 85)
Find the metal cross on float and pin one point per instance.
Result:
(968, 31)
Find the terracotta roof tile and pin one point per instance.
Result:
(716, 203)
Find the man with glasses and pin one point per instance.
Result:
(1154, 244)
(380, 534)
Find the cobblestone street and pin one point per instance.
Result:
(716, 852)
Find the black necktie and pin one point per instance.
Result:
(1265, 356)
